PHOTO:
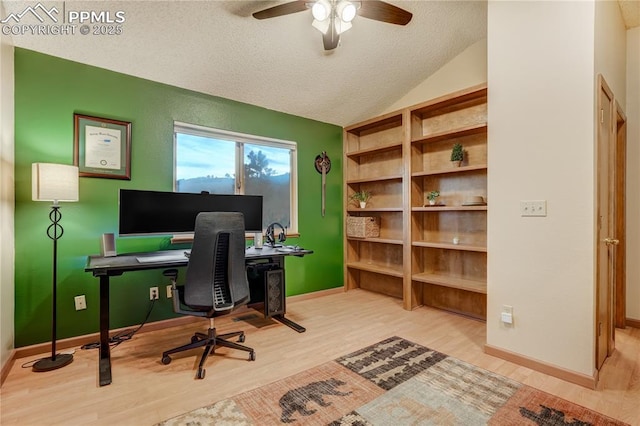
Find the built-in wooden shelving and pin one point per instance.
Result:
(426, 254)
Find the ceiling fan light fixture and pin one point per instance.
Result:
(346, 11)
(341, 26)
(321, 10)
(322, 26)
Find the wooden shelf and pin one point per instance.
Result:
(376, 240)
(374, 209)
(449, 246)
(390, 120)
(461, 169)
(400, 157)
(378, 269)
(373, 179)
(374, 150)
(452, 101)
(435, 209)
(452, 282)
(473, 129)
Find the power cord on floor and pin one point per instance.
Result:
(114, 341)
(124, 335)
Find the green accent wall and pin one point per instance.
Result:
(48, 91)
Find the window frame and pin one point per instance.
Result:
(240, 140)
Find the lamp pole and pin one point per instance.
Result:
(54, 183)
(54, 231)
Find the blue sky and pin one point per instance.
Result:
(198, 156)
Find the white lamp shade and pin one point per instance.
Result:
(54, 182)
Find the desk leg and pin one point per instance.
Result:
(286, 321)
(104, 367)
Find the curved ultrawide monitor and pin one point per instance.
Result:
(165, 213)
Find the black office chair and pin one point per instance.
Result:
(216, 281)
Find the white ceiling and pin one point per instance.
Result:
(218, 48)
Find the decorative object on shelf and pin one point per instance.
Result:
(432, 197)
(456, 240)
(102, 147)
(56, 183)
(475, 200)
(457, 155)
(323, 166)
(362, 197)
(363, 226)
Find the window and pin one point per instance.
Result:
(223, 162)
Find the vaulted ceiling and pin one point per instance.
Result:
(218, 48)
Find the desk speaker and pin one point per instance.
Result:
(108, 246)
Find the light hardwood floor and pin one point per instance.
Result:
(144, 391)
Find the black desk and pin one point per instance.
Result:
(105, 267)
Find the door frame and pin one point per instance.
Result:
(604, 342)
(610, 300)
(620, 290)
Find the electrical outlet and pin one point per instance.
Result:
(81, 302)
(154, 294)
(533, 208)
(169, 292)
(507, 314)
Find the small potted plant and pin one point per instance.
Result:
(432, 196)
(361, 197)
(457, 155)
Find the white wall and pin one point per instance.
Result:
(6, 199)
(467, 69)
(633, 173)
(541, 147)
(611, 47)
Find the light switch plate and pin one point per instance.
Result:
(533, 208)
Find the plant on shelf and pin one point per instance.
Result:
(432, 196)
(457, 154)
(361, 197)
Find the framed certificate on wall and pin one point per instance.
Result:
(102, 147)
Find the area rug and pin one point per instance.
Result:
(394, 382)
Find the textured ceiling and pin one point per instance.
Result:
(630, 12)
(217, 47)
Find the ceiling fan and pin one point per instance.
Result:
(333, 17)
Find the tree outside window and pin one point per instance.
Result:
(211, 160)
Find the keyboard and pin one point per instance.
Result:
(180, 255)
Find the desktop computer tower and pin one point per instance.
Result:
(266, 284)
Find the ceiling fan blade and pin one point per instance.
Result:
(385, 12)
(282, 9)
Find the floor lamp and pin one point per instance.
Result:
(54, 182)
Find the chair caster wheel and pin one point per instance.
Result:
(252, 356)
(194, 339)
(200, 373)
(241, 338)
(166, 359)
